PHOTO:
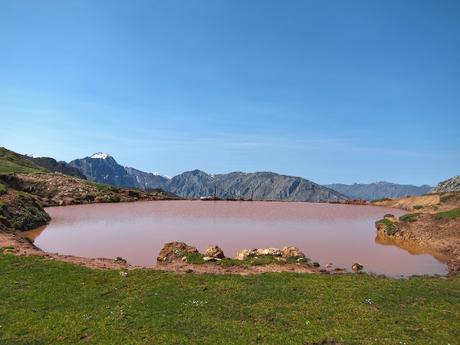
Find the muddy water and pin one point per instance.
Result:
(327, 233)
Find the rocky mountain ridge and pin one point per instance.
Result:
(253, 186)
(450, 185)
(103, 168)
(378, 190)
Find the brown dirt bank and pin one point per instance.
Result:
(433, 227)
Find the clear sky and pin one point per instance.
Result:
(334, 91)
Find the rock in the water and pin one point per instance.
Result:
(357, 267)
(175, 250)
(214, 252)
(289, 252)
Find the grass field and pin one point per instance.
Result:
(49, 302)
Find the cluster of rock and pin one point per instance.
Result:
(173, 251)
(180, 251)
(285, 252)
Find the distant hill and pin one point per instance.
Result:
(103, 168)
(12, 162)
(54, 166)
(378, 190)
(450, 185)
(258, 186)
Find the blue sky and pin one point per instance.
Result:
(334, 91)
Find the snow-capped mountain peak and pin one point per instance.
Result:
(100, 155)
(33, 156)
(158, 174)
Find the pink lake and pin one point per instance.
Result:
(327, 233)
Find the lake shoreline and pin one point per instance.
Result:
(22, 247)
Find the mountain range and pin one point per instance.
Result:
(103, 168)
(254, 186)
(378, 190)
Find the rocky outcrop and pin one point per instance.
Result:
(173, 251)
(450, 185)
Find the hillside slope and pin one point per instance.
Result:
(53, 165)
(11, 162)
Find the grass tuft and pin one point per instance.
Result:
(448, 215)
(390, 227)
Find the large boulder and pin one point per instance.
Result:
(289, 252)
(250, 253)
(268, 251)
(214, 252)
(175, 251)
(357, 267)
(245, 254)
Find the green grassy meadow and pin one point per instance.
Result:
(50, 302)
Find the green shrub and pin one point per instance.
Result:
(390, 227)
(105, 187)
(448, 215)
(110, 198)
(410, 217)
(418, 207)
(194, 258)
(3, 189)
